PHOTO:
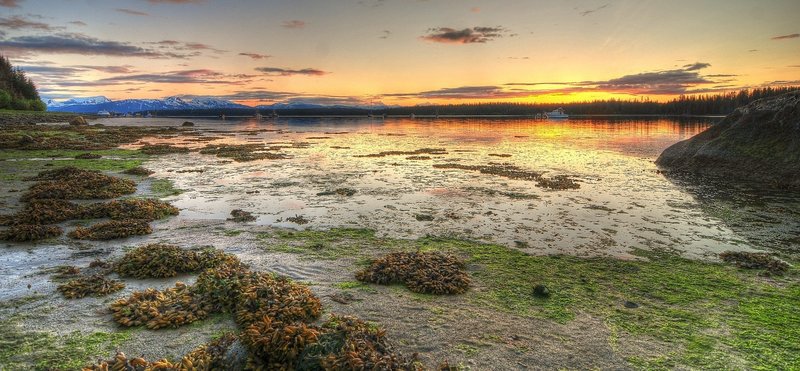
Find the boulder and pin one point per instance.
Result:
(757, 142)
(187, 123)
(78, 121)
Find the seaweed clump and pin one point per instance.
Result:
(70, 183)
(421, 151)
(275, 315)
(138, 170)
(348, 343)
(155, 309)
(162, 149)
(755, 260)
(242, 152)
(241, 216)
(47, 211)
(132, 208)
(514, 172)
(112, 229)
(339, 192)
(95, 285)
(423, 272)
(30, 232)
(209, 356)
(163, 260)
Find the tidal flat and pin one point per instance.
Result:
(629, 256)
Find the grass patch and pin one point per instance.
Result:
(164, 188)
(26, 350)
(715, 314)
(232, 233)
(332, 244)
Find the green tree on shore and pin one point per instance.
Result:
(17, 91)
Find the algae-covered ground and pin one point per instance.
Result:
(653, 308)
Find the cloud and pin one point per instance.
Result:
(784, 37)
(10, 3)
(110, 69)
(274, 71)
(295, 23)
(78, 23)
(51, 71)
(466, 92)
(464, 36)
(74, 43)
(131, 12)
(18, 23)
(256, 55)
(590, 11)
(385, 34)
(187, 48)
(197, 76)
(696, 66)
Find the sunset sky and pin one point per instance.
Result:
(402, 52)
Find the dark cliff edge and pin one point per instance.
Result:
(758, 142)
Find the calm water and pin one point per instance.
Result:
(623, 202)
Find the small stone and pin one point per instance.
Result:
(78, 121)
(630, 304)
(541, 291)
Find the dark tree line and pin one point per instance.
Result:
(17, 91)
(716, 104)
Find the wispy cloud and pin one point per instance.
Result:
(465, 92)
(590, 11)
(131, 12)
(197, 76)
(385, 34)
(110, 69)
(18, 23)
(256, 55)
(294, 23)
(78, 23)
(74, 44)
(275, 71)
(696, 66)
(10, 3)
(463, 36)
(784, 37)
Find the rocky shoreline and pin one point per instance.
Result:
(758, 142)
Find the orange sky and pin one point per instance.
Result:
(400, 52)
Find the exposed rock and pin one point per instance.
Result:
(187, 123)
(760, 141)
(78, 121)
(630, 305)
(541, 291)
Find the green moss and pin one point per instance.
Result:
(164, 188)
(231, 233)
(715, 315)
(25, 350)
(18, 164)
(332, 244)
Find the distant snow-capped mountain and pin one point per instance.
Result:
(95, 104)
(100, 103)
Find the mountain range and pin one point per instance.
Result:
(100, 103)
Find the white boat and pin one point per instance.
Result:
(103, 113)
(556, 114)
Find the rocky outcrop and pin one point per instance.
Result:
(760, 142)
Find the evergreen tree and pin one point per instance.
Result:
(17, 91)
